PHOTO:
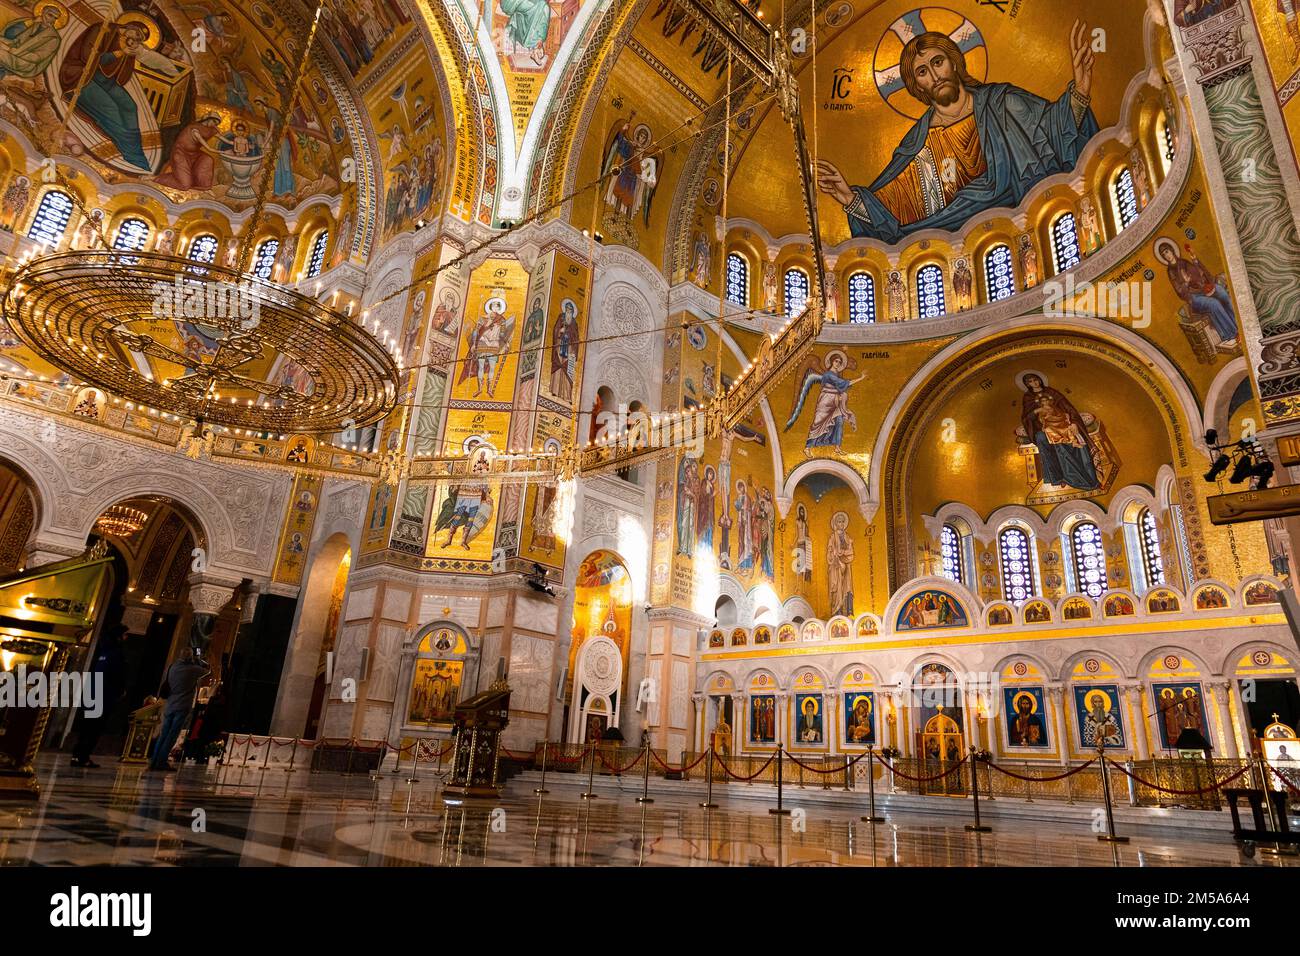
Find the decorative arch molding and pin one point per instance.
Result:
(1016, 514)
(872, 671)
(472, 643)
(1131, 495)
(1007, 660)
(748, 680)
(1229, 667)
(825, 466)
(797, 606)
(1164, 650)
(1066, 673)
(1219, 394)
(1055, 523)
(794, 669)
(933, 582)
(909, 671)
(892, 453)
(955, 511)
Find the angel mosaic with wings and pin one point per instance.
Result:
(831, 412)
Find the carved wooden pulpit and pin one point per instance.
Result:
(478, 724)
(46, 614)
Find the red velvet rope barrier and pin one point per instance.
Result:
(1059, 776)
(947, 773)
(795, 760)
(735, 776)
(617, 770)
(1180, 793)
(681, 769)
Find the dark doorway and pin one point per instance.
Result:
(1271, 697)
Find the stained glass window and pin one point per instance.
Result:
(929, 292)
(132, 234)
(1126, 204)
(1065, 242)
(737, 280)
(316, 261)
(204, 249)
(1089, 559)
(1017, 566)
(1152, 563)
(999, 276)
(950, 550)
(862, 298)
(264, 262)
(796, 292)
(51, 218)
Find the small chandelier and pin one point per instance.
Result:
(121, 521)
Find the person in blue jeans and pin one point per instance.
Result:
(182, 681)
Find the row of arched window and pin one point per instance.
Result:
(1066, 252)
(1084, 552)
(50, 224)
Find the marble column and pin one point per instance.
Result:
(830, 728)
(1227, 737)
(1058, 698)
(783, 718)
(698, 700)
(739, 723)
(1140, 723)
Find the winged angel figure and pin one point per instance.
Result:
(832, 409)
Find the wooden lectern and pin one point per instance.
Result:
(478, 723)
(45, 614)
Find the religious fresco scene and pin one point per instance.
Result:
(639, 416)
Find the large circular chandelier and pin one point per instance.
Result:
(201, 342)
(121, 521)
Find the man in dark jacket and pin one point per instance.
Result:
(182, 681)
(107, 671)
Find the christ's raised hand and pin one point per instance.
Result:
(832, 182)
(1082, 57)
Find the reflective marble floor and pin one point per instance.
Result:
(226, 817)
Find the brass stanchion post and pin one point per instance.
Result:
(541, 788)
(293, 754)
(871, 787)
(708, 803)
(415, 761)
(645, 778)
(780, 809)
(1109, 836)
(977, 826)
(591, 775)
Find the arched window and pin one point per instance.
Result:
(316, 261)
(264, 261)
(862, 298)
(950, 547)
(1124, 197)
(1089, 559)
(1065, 242)
(1165, 133)
(929, 292)
(737, 280)
(999, 276)
(796, 292)
(1014, 549)
(51, 218)
(204, 249)
(1153, 565)
(132, 234)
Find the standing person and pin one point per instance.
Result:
(106, 670)
(182, 680)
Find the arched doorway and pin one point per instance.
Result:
(602, 618)
(18, 514)
(152, 540)
(439, 667)
(300, 702)
(937, 715)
